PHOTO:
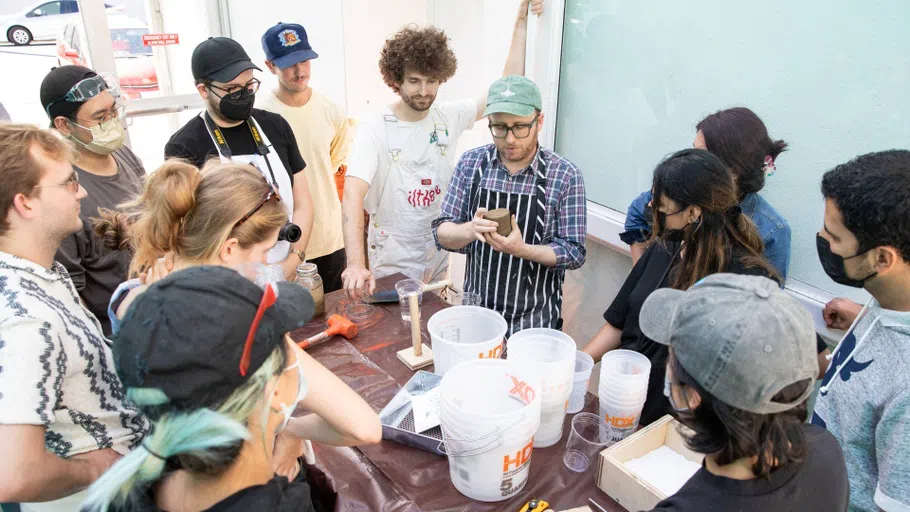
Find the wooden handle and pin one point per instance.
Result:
(415, 324)
(439, 285)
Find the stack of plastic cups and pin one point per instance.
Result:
(583, 366)
(623, 389)
(551, 354)
(489, 412)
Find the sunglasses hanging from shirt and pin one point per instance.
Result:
(290, 232)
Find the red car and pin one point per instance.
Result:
(135, 62)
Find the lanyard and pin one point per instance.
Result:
(261, 148)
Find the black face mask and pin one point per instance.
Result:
(834, 264)
(671, 235)
(237, 110)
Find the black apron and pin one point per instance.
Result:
(527, 294)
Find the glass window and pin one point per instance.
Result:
(48, 9)
(69, 6)
(68, 34)
(636, 77)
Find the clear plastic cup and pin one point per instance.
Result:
(589, 436)
(464, 299)
(406, 288)
(583, 366)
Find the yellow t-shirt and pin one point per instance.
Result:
(321, 130)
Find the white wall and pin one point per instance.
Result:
(323, 23)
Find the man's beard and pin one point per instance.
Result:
(412, 101)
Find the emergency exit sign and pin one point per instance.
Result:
(159, 39)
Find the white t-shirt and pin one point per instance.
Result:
(56, 367)
(321, 130)
(370, 159)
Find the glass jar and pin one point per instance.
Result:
(308, 277)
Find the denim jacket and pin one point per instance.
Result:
(773, 228)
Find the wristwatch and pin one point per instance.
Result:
(300, 254)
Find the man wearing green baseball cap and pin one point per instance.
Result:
(516, 265)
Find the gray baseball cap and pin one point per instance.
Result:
(741, 338)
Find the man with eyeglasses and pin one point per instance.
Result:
(232, 130)
(84, 107)
(63, 418)
(403, 157)
(519, 275)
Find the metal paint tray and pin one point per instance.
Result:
(398, 418)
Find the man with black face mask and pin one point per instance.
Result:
(232, 130)
(865, 395)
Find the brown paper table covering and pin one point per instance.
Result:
(393, 477)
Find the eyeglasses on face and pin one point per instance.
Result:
(71, 183)
(520, 131)
(235, 92)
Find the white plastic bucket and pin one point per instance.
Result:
(584, 363)
(623, 390)
(465, 333)
(551, 355)
(489, 412)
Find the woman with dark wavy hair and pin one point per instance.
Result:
(700, 230)
(740, 140)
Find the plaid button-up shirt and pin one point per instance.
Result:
(566, 217)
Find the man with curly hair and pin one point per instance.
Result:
(403, 158)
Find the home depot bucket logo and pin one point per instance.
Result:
(620, 421)
(522, 391)
(491, 354)
(512, 466)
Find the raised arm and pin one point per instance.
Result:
(515, 62)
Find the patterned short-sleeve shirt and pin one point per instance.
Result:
(56, 367)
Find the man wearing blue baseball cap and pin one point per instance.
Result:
(321, 129)
(517, 271)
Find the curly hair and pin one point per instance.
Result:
(872, 192)
(424, 50)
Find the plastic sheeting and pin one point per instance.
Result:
(393, 477)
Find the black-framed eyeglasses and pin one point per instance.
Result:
(520, 131)
(236, 92)
(72, 183)
(272, 193)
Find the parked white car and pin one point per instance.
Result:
(41, 22)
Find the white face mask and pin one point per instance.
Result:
(288, 409)
(107, 137)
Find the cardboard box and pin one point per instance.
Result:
(627, 489)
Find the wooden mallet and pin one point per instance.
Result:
(419, 355)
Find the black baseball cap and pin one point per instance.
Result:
(56, 84)
(220, 59)
(185, 335)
